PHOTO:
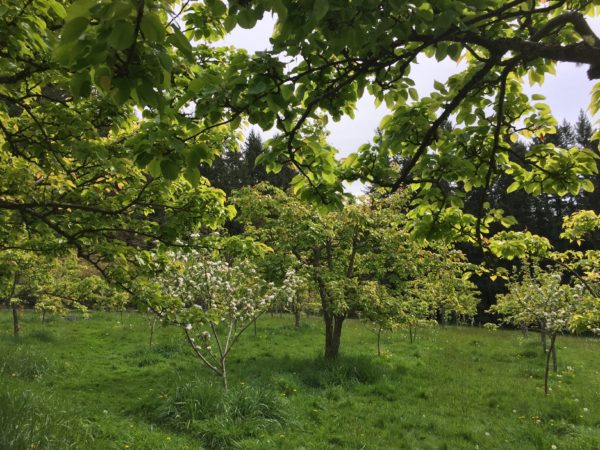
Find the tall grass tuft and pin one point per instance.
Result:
(25, 363)
(219, 419)
(29, 422)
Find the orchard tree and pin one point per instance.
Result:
(382, 310)
(214, 301)
(541, 297)
(361, 258)
(444, 286)
(299, 294)
(52, 284)
(329, 243)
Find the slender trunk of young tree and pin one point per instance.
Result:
(443, 316)
(152, 325)
(379, 341)
(224, 374)
(43, 315)
(524, 329)
(16, 325)
(15, 310)
(410, 333)
(297, 318)
(255, 333)
(543, 336)
(554, 361)
(552, 340)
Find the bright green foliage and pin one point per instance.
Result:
(444, 286)
(325, 56)
(580, 224)
(53, 285)
(80, 170)
(361, 259)
(519, 244)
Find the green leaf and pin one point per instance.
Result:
(73, 29)
(198, 154)
(320, 8)
(513, 187)
(257, 88)
(58, 9)
(246, 18)
(152, 27)
(508, 221)
(165, 61)
(147, 94)
(454, 51)
(81, 85)
(587, 185)
(80, 8)
(217, 7)
(192, 174)
(169, 169)
(122, 35)
(179, 40)
(122, 90)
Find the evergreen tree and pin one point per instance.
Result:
(236, 169)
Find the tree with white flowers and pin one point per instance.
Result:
(541, 296)
(215, 301)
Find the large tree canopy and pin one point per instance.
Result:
(73, 75)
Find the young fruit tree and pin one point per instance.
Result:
(541, 296)
(382, 311)
(214, 301)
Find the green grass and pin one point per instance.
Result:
(94, 384)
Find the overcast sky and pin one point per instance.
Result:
(567, 92)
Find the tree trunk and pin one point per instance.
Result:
(43, 315)
(255, 320)
(552, 340)
(410, 333)
(524, 329)
(379, 342)
(224, 374)
(16, 325)
(554, 362)
(152, 325)
(297, 318)
(333, 334)
(543, 337)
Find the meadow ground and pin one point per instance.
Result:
(95, 384)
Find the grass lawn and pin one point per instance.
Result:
(95, 384)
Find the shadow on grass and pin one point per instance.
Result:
(318, 373)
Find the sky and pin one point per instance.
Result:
(567, 92)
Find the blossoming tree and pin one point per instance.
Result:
(542, 297)
(214, 301)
